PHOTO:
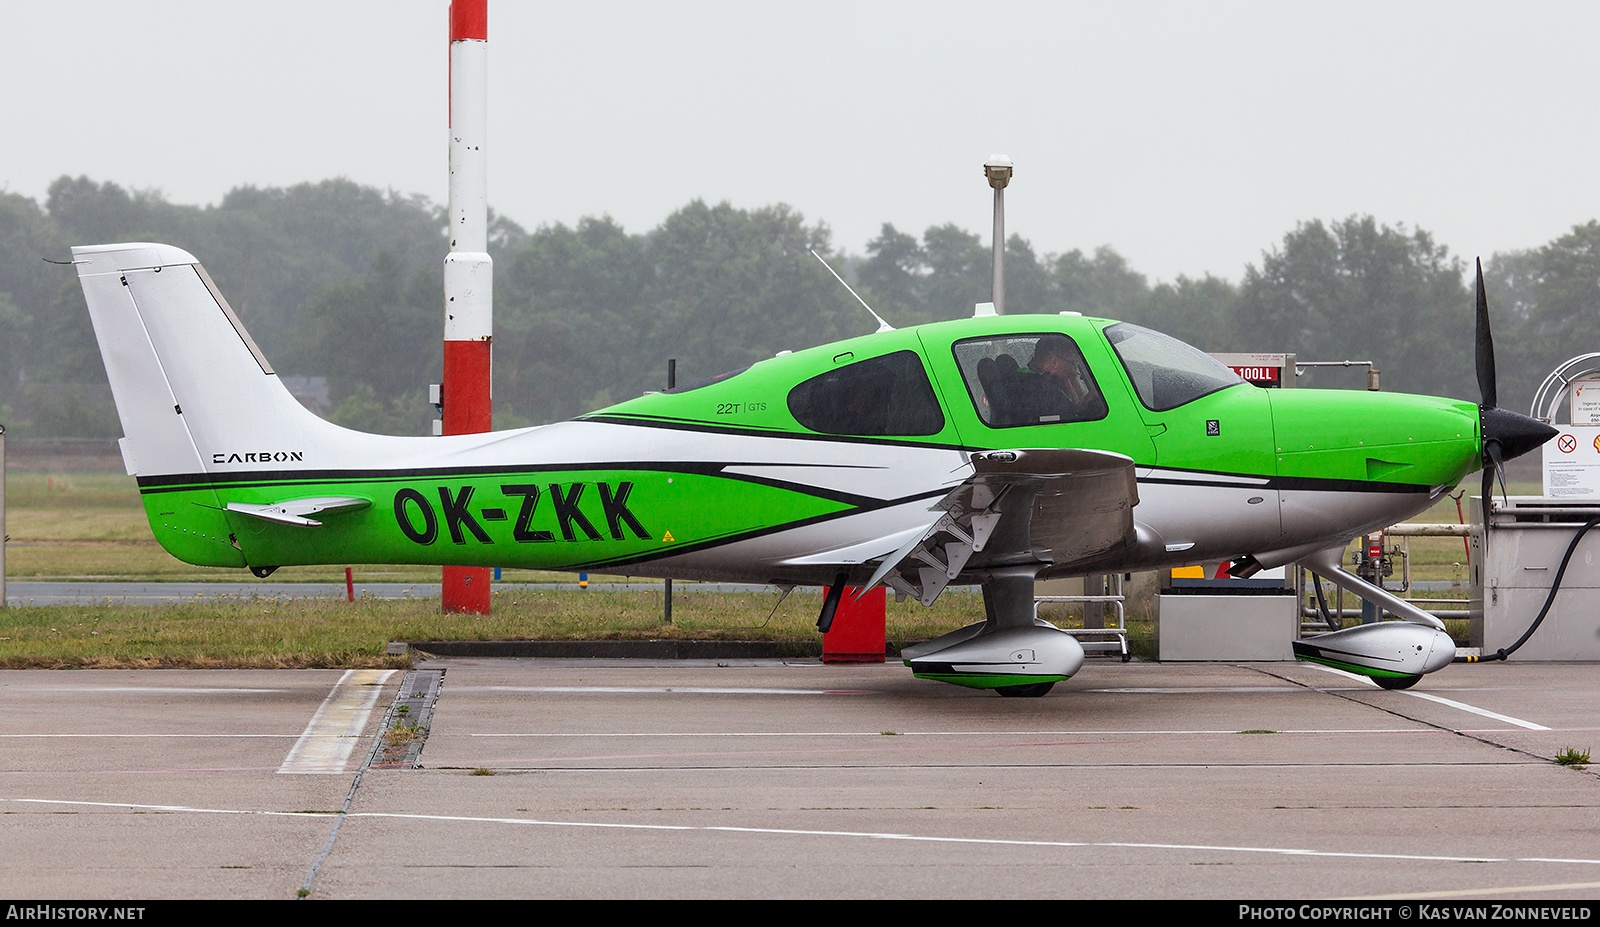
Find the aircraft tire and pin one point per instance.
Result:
(1033, 690)
(1395, 682)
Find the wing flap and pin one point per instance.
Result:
(1081, 501)
(1050, 506)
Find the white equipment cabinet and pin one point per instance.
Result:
(1510, 581)
(1210, 627)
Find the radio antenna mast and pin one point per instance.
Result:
(882, 325)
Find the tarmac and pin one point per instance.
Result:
(483, 777)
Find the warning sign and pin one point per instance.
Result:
(1585, 399)
(1572, 460)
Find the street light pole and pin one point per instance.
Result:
(998, 171)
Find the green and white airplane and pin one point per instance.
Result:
(995, 450)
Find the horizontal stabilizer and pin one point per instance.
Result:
(296, 512)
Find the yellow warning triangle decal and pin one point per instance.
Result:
(667, 538)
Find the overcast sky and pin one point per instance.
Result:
(1189, 136)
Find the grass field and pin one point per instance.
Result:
(268, 633)
(91, 526)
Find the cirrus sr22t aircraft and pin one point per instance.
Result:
(995, 450)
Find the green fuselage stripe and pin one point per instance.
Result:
(574, 518)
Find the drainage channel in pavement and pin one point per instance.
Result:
(405, 725)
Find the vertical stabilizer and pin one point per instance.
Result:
(191, 388)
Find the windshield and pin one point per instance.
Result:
(1165, 372)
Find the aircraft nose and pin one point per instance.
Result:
(1517, 434)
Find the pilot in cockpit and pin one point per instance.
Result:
(1065, 386)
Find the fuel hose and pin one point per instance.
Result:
(1549, 600)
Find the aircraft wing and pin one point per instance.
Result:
(1050, 506)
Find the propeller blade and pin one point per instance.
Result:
(1505, 434)
(1484, 349)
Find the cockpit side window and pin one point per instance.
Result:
(1166, 373)
(882, 396)
(1037, 379)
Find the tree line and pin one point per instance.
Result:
(344, 282)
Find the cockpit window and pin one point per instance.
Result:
(888, 395)
(1166, 373)
(1029, 380)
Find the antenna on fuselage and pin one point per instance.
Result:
(882, 325)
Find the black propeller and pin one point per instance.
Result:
(1506, 434)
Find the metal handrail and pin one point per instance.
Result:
(1556, 383)
(1120, 645)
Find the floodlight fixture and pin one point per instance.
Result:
(998, 169)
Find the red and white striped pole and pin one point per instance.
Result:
(468, 271)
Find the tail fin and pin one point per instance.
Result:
(191, 388)
(220, 447)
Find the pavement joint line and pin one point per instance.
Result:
(869, 835)
(672, 690)
(1452, 703)
(158, 690)
(1478, 711)
(1132, 732)
(355, 784)
(1460, 732)
(153, 736)
(329, 739)
(889, 767)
